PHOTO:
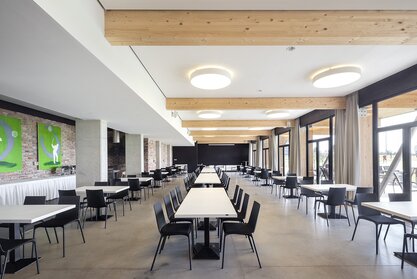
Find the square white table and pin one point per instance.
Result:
(325, 188)
(405, 210)
(25, 214)
(107, 190)
(207, 178)
(206, 203)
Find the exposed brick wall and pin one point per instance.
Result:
(30, 147)
(149, 154)
(164, 155)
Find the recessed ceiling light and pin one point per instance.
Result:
(336, 76)
(209, 129)
(277, 113)
(209, 114)
(210, 78)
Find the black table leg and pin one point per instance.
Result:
(16, 263)
(98, 217)
(206, 250)
(332, 214)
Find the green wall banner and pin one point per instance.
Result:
(49, 146)
(10, 144)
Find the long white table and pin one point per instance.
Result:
(406, 210)
(206, 203)
(207, 178)
(141, 179)
(208, 169)
(25, 214)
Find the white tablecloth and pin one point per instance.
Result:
(14, 193)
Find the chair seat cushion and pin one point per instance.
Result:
(176, 229)
(237, 228)
(382, 219)
(11, 244)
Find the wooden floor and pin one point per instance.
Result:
(291, 244)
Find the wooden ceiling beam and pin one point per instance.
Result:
(231, 133)
(236, 123)
(225, 139)
(249, 27)
(255, 103)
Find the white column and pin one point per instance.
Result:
(134, 154)
(250, 155)
(259, 152)
(158, 154)
(91, 151)
(169, 147)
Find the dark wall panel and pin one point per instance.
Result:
(223, 154)
(185, 155)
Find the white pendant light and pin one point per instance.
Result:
(210, 78)
(336, 76)
(277, 114)
(209, 114)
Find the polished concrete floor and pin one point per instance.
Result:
(291, 244)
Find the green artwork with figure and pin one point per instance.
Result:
(10, 144)
(49, 146)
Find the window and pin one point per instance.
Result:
(284, 152)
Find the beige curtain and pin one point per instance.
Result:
(295, 162)
(347, 167)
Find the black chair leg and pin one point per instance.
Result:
(115, 211)
(256, 251)
(356, 226)
(163, 244)
(403, 252)
(63, 242)
(105, 216)
(325, 213)
(81, 230)
(353, 213)
(224, 248)
(36, 255)
(377, 237)
(347, 216)
(123, 205)
(386, 232)
(306, 205)
(156, 252)
(56, 236)
(6, 259)
(189, 249)
(47, 235)
(251, 246)
(299, 199)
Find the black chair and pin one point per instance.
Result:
(9, 245)
(170, 229)
(179, 195)
(335, 198)
(241, 215)
(65, 218)
(175, 202)
(95, 200)
(405, 247)
(145, 174)
(226, 183)
(374, 216)
(101, 183)
(246, 229)
(233, 200)
(146, 185)
(291, 184)
(352, 203)
(122, 196)
(291, 174)
(265, 175)
(307, 193)
(238, 200)
(134, 187)
(157, 177)
(67, 193)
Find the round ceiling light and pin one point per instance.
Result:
(209, 114)
(210, 78)
(336, 76)
(277, 114)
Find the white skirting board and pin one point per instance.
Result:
(14, 193)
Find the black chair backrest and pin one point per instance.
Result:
(326, 182)
(157, 175)
(307, 180)
(122, 183)
(67, 193)
(33, 200)
(131, 175)
(276, 173)
(362, 190)
(72, 214)
(291, 181)
(239, 198)
(253, 219)
(146, 183)
(101, 183)
(363, 210)
(393, 197)
(291, 174)
(336, 196)
(235, 194)
(174, 199)
(264, 174)
(168, 207)
(245, 204)
(159, 215)
(179, 195)
(95, 198)
(145, 174)
(134, 184)
(226, 186)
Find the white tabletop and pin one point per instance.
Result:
(162, 172)
(325, 187)
(284, 177)
(106, 189)
(28, 214)
(259, 171)
(405, 209)
(206, 203)
(207, 178)
(141, 179)
(208, 170)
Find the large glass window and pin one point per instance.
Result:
(284, 152)
(397, 146)
(320, 150)
(265, 153)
